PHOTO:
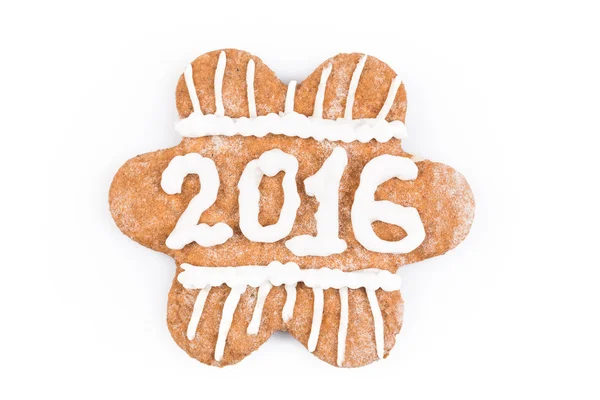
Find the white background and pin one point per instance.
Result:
(507, 93)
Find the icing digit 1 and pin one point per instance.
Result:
(189, 82)
(219, 73)
(315, 329)
(366, 209)
(391, 96)
(320, 96)
(263, 292)
(353, 85)
(226, 318)
(289, 97)
(197, 312)
(250, 87)
(187, 229)
(269, 163)
(343, 330)
(377, 321)
(324, 185)
(277, 274)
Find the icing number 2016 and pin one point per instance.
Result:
(323, 185)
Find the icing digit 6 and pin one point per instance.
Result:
(366, 209)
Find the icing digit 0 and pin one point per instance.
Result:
(324, 185)
(269, 163)
(219, 73)
(187, 229)
(250, 87)
(366, 209)
(353, 85)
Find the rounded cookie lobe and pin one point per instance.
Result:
(238, 343)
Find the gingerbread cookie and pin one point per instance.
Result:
(289, 207)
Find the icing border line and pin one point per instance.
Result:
(277, 274)
(292, 124)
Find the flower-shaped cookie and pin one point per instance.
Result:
(289, 207)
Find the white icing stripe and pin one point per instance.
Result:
(289, 97)
(316, 320)
(377, 320)
(219, 73)
(343, 330)
(292, 124)
(391, 96)
(250, 87)
(197, 313)
(263, 292)
(226, 318)
(288, 308)
(189, 82)
(320, 97)
(278, 274)
(353, 85)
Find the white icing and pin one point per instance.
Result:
(263, 292)
(320, 97)
(277, 274)
(343, 329)
(226, 318)
(391, 96)
(377, 321)
(197, 312)
(269, 163)
(293, 124)
(189, 82)
(324, 185)
(219, 73)
(250, 88)
(366, 209)
(317, 318)
(353, 86)
(289, 97)
(288, 308)
(187, 229)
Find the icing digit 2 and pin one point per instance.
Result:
(269, 163)
(324, 185)
(366, 209)
(187, 229)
